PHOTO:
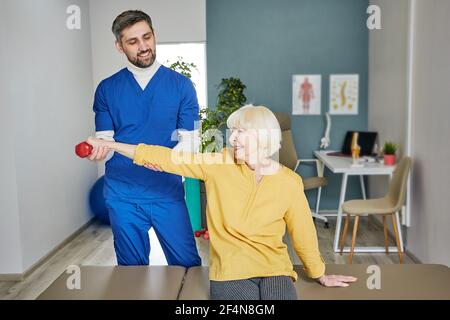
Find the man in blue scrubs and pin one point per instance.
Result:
(145, 103)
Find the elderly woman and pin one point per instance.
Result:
(251, 200)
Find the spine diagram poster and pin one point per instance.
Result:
(344, 91)
(306, 93)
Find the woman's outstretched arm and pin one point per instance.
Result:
(127, 150)
(188, 164)
(303, 234)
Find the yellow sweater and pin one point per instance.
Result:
(246, 219)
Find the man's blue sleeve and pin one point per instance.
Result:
(103, 120)
(189, 109)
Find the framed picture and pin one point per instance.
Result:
(306, 93)
(344, 92)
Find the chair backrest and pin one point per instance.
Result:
(397, 187)
(288, 152)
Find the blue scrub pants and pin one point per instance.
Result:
(131, 221)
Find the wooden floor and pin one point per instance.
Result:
(94, 246)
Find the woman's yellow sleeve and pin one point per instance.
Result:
(187, 164)
(303, 233)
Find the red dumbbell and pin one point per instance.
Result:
(83, 149)
(197, 233)
(200, 232)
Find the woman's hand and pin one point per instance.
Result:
(96, 143)
(100, 148)
(335, 280)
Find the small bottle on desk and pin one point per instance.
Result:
(356, 149)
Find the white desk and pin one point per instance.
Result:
(343, 165)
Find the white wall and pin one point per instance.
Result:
(427, 238)
(10, 246)
(47, 108)
(388, 50)
(388, 53)
(47, 81)
(173, 20)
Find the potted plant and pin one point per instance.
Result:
(389, 151)
(230, 98)
(213, 132)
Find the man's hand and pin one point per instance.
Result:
(100, 149)
(335, 280)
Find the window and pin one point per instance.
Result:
(191, 53)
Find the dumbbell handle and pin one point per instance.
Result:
(83, 149)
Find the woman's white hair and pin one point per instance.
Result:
(263, 121)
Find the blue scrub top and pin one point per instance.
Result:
(151, 116)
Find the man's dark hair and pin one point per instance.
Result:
(128, 18)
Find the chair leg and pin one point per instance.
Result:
(397, 239)
(344, 233)
(355, 229)
(319, 192)
(386, 236)
(316, 214)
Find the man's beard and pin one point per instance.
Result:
(141, 63)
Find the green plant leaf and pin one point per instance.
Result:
(389, 148)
